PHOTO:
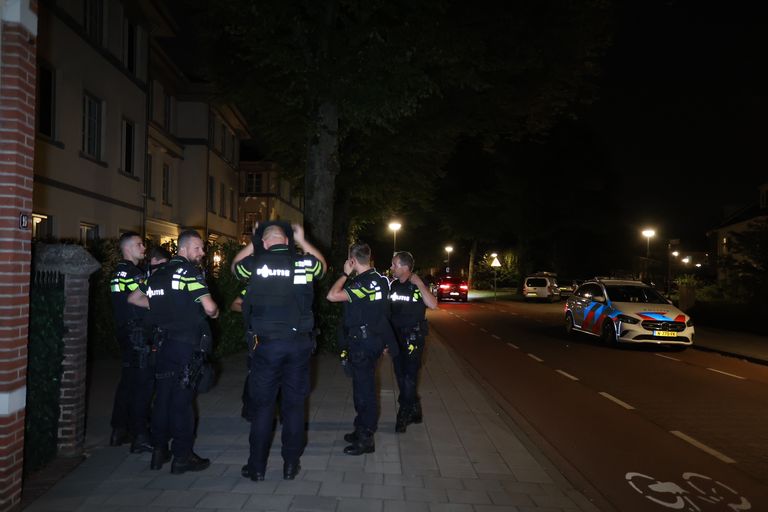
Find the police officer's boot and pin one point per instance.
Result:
(160, 455)
(141, 444)
(351, 437)
(363, 444)
(403, 418)
(415, 416)
(192, 462)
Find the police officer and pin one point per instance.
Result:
(278, 308)
(179, 301)
(130, 412)
(366, 331)
(409, 298)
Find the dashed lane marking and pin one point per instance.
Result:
(701, 446)
(482, 329)
(667, 357)
(535, 358)
(496, 336)
(728, 374)
(473, 324)
(567, 375)
(513, 345)
(616, 400)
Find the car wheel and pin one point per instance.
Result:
(569, 327)
(609, 333)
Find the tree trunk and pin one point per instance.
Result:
(472, 255)
(320, 178)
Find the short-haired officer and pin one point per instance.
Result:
(130, 411)
(366, 331)
(409, 299)
(158, 256)
(278, 308)
(179, 303)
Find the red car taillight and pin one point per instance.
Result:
(464, 287)
(445, 286)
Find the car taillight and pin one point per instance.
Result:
(464, 287)
(444, 286)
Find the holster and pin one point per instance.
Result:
(358, 332)
(140, 349)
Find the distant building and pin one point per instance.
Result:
(126, 139)
(739, 221)
(266, 195)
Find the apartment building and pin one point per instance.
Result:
(265, 194)
(126, 140)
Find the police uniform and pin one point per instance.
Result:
(409, 322)
(278, 308)
(174, 292)
(366, 332)
(130, 411)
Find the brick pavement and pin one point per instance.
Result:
(468, 455)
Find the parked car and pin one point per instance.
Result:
(541, 286)
(452, 287)
(620, 311)
(567, 286)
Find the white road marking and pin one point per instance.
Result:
(496, 336)
(513, 313)
(538, 359)
(728, 374)
(667, 357)
(482, 329)
(701, 446)
(616, 400)
(473, 324)
(513, 345)
(567, 375)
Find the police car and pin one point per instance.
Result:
(620, 311)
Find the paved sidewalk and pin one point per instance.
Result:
(467, 456)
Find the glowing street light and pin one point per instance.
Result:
(449, 250)
(394, 226)
(648, 234)
(686, 260)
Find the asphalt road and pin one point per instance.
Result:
(638, 425)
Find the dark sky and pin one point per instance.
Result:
(682, 112)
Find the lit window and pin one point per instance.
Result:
(42, 226)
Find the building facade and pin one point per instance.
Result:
(126, 141)
(265, 194)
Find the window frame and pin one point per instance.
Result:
(166, 192)
(127, 155)
(89, 102)
(45, 67)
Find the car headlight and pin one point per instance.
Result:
(627, 319)
(689, 323)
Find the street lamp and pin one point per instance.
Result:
(394, 226)
(449, 250)
(686, 260)
(648, 234)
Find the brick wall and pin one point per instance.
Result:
(17, 143)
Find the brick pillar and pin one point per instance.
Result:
(76, 264)
(18, 73)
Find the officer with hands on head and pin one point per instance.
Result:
(179, 303)
(365, 333)
(130, 412)
(277, 307)
(409, 298)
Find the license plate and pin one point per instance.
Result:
(454, 293)
(665, 334)
(531, 294)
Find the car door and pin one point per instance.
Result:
(579, 302)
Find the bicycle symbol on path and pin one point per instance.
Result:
(697, 491)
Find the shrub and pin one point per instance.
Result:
(44, 370)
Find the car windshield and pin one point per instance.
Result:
(537, 282)
(630, 293)
(450, 280)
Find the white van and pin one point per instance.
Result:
(541, 286)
